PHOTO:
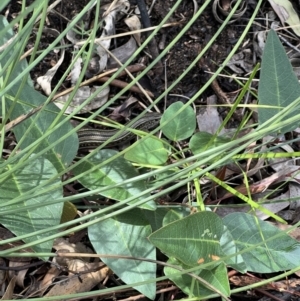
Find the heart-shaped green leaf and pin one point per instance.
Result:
(180, 127)
(192, 240)
(111, 174)
(271, 249)
(126, 235)
(22, 185)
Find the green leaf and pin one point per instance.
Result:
(217, 277)
(229, 247)
(64, 152)
(192, 240)
(25, 181)
(182, 126)
(278, 85)
(287, 14)
(164, 215)
(3, 4)
(60, 155)
(270, 254)
(175, 214)
(126, 235)
(112, 173)
(148, 151)
(9, 58)
(201, 141)
(155, 218)
(165, 175)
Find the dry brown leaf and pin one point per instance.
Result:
(52, 273)
(87, 280)
(123, 110)
(287, 14)
(210, 120)
(8, 295)
(284, 285)
(62, 244)
(21, 274)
